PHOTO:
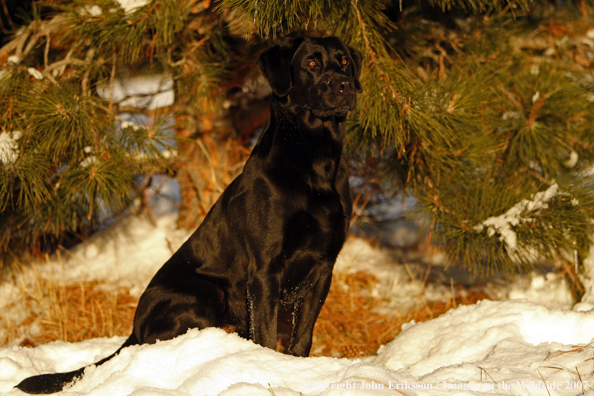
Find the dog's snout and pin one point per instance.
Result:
(343, 85)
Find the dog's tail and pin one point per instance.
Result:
(51, 383)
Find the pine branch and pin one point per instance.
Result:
(471, 105)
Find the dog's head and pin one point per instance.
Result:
(318, 74)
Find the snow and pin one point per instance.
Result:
(549, 290)
(35, 73)
(145, 91)
(9, 147)
(493, 348)
(587, 302)
(132, 5)
(94, 10)
(512, 347)
(572, 161)
(474, 334)
(502, 225)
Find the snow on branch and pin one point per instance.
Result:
(521, 213)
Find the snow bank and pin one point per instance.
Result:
(394, 286)
(495, 348)
(207, 362)
(471, 333)
(130, 252)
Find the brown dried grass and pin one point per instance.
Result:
(70, 313)
(348, 325)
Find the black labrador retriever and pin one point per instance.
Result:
(261, 262)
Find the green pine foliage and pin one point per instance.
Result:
(481, 109)
(456, 114)
(536, 133)
(73, 166)
(74, 162)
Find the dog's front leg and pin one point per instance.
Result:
(306, 313)
(262, 299)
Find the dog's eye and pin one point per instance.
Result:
(345, 62)
(312, 63)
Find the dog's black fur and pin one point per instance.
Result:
(261, 262)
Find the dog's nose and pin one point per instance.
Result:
(343, 85)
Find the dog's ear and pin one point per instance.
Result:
(275, 64)
(357, 63)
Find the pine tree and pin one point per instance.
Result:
(70, 160)
(481, 109)
(466, 109)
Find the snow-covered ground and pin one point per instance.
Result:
(497, 348)
(511, 347)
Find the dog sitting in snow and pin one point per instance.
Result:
(261, 262)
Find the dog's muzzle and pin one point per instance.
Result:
(343, 85)
(341, 96)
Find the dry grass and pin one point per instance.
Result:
(348, 325)
(71, 313)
